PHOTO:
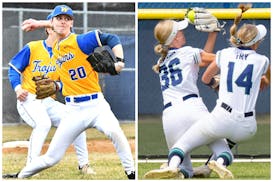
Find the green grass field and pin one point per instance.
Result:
(241, 171)
(151, 143)
(106, 165)
(155, 144)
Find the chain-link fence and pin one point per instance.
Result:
(118, 22)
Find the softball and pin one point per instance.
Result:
(191, 16)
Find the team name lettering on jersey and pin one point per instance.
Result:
(43, 68)
(65, 58)
(241, 56)
(171, 55)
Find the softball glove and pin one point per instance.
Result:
(45, 87)
(102, 61)
(204, 21)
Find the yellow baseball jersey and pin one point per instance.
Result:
(34, 60)
(75, 72)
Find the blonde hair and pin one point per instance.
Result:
(246, 33)
(161, 33)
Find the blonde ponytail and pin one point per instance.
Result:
(163, 51)
(234, 39)
(161, 33)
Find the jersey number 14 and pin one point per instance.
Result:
(243, 80)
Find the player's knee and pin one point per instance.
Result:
(51, 161)
(115, 134)
(45, 126)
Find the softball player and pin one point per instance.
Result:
(178, 70)
(35, 59)
(83, 96)
(234, 115)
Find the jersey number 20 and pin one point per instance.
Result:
(170, 75)
(77, 73)
(243, 80)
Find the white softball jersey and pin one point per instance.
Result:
(179, 73)
(241, 70)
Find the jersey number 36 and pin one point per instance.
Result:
(170, 75)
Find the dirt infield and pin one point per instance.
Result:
(104, 146)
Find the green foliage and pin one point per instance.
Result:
(241, 171)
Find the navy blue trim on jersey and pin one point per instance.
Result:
(88, 42)
(173, 48)
(244, 48)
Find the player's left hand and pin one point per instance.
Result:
(45, 87)
(204, 21)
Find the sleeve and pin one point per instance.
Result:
(266, 65)
(14, 77)
(88, 41)
(91, 40)
(196, 55)
(109, 39)
(21, 60)
(218, 56)
(17, 65)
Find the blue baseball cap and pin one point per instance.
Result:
(62, 10)
(49, 16)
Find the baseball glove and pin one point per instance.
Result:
(45, 87)
(102, 61)
(215, 82)
(204, 21)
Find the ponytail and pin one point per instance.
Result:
(233, 29)
(163, 51)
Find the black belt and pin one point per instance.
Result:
(169, 104)
(229, 109)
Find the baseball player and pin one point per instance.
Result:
(233, 117)
(178, 70)
(80, 86)
(35, 59)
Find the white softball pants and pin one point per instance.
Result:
(219, 124)
(41, 115)
(90, 114)
(177, 120)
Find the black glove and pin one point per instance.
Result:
(103, 62)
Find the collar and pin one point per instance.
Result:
(244, 48)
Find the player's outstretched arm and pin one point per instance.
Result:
(210, 43)
(118, 52)
(206, 58)
(208, 76)
(32, 24)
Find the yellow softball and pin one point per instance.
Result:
(191, 16)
